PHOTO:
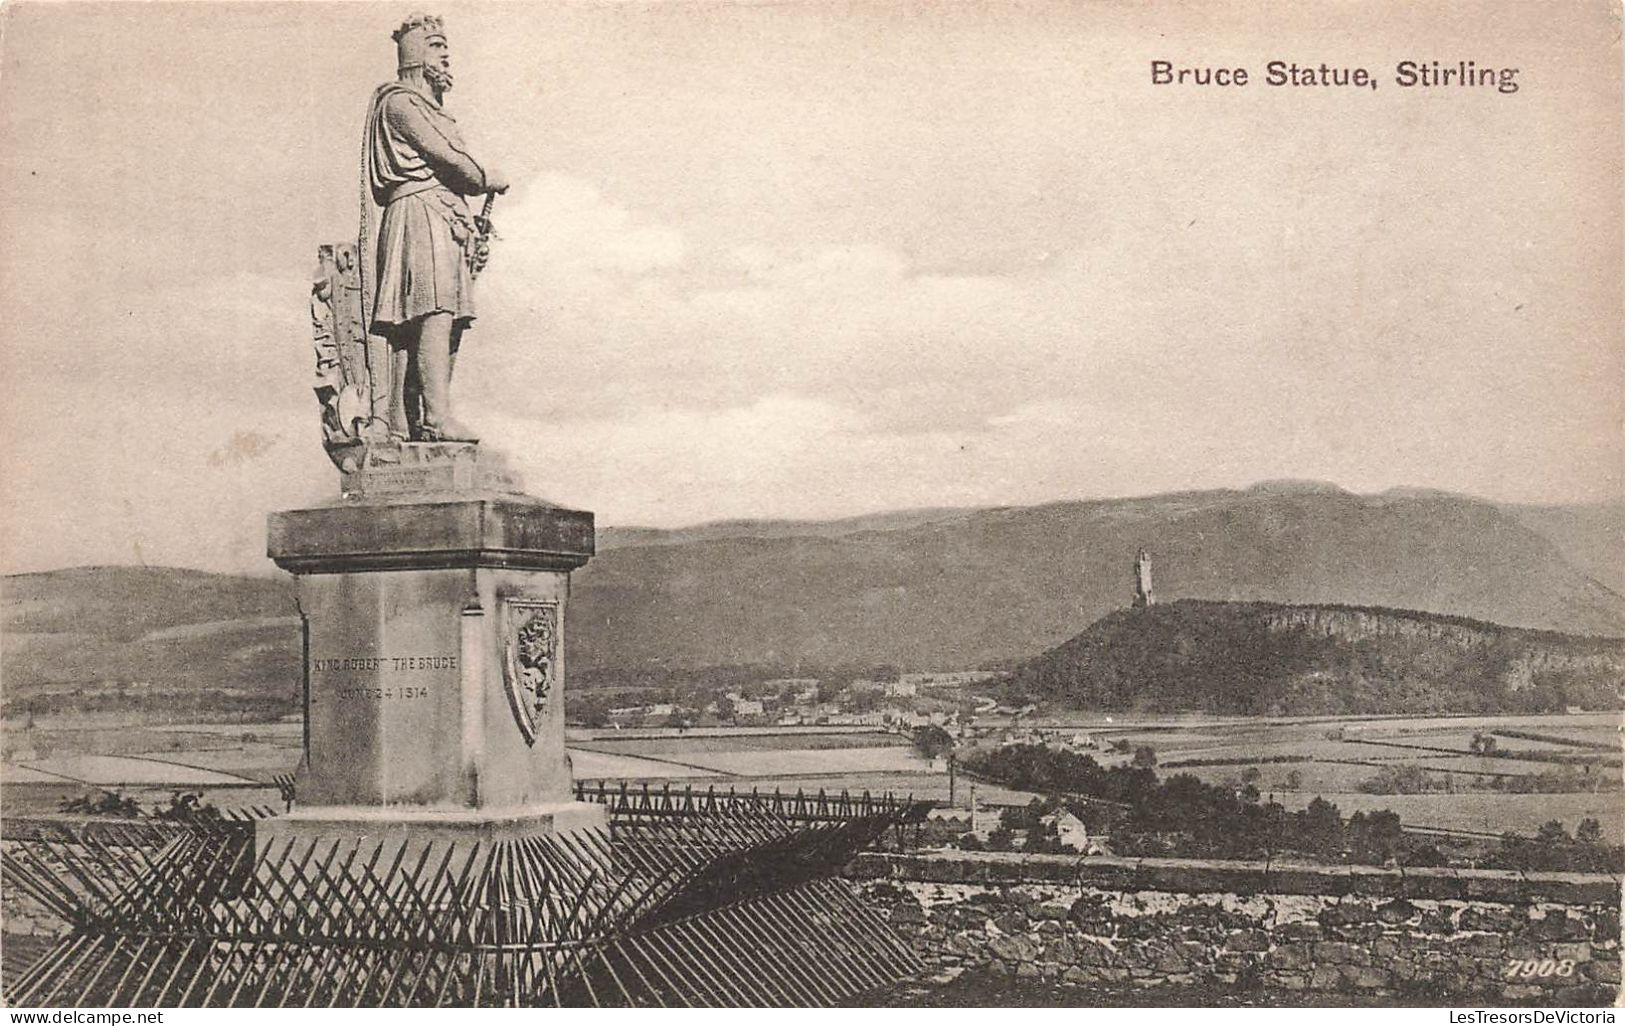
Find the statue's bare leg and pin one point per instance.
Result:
(400, 359)
(433, 356)
(414, 392)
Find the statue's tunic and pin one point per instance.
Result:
(419, 172)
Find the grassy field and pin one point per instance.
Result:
(1490, 812)
(33, 799)
(888, 759)
(1390, 740)
(590, 765)
(691, 743)
(132, 770)
(1333, 758)
(1329, 756)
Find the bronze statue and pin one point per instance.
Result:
(430, 246)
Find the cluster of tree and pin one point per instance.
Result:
(1553, 850)
(184, 806)
(1187, 818)
(595, 691)
(1564, 781)
(1230, 760)
(1058, 771)
(251, 705)
(1405, 779)
(188, 807)
(1485, 744)
(1183, 816)
(1239, 658)
(102, 803)
(587, 708)
(932, 741)
(749, 679)
(1557, 739)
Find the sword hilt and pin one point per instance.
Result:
(483, 221)
(482, 224)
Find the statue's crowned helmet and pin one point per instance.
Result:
(415, 41)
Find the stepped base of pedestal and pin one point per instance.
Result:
(370, 827)
(411, 471)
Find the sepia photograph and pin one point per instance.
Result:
(812, 503)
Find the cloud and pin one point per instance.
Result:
(847, 269)
(555, 225)
(595, 307)
(599, 311)
(635, 371)
(1156, 352)
(786, 456)
(160, 428)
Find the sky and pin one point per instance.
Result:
(810, 260)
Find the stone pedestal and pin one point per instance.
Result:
(433, 596)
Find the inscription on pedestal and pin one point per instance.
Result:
(418, 468)
(381, 694)
(410, 479)
(373, 666)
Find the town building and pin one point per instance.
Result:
(1069, 829)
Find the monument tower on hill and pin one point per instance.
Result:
(1143, 595)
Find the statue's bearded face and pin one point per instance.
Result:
(437, 69)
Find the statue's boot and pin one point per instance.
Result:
(434, 358)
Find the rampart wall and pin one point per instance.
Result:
(1411, 936)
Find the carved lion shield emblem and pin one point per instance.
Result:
(530, 663)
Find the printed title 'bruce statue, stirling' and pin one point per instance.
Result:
(429, 245)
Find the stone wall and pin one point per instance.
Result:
(1416, 936)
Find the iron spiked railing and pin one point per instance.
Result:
(688, 898)
(285, 788)
(625, 799)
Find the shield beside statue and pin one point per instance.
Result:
(352, 367)
(530, 660)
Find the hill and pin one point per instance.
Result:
(1589, 536)
(149, 639)
(630, 537)
(923, 589)
(1262, 658)
(126, 602)
(969, 587)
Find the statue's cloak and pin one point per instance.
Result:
(418, 171)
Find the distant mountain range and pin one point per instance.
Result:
(922, 589)
(1262, 658)
(1591, 537)
(956, 588)
(119, 637)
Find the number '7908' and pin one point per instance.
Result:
(1528, 968)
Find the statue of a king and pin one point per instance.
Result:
(429, 245)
